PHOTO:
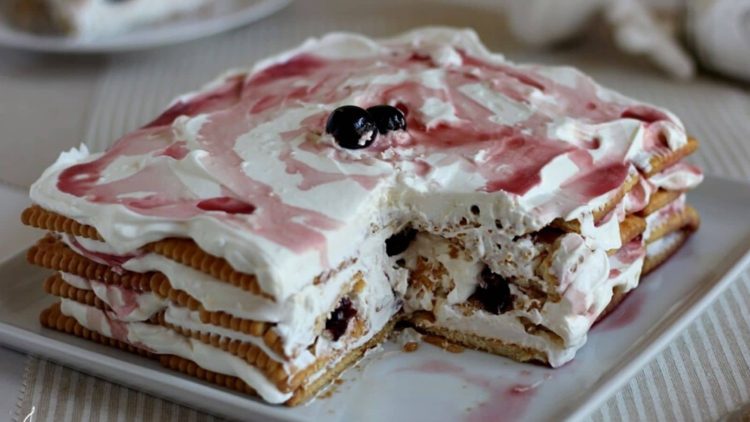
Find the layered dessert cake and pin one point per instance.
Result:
(96, 18)
(268, 229)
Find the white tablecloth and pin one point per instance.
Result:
(48, 103)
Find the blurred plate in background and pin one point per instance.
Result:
(223, 16)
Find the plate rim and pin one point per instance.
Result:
(655, 341)
(26, 41)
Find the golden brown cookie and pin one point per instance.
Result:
(51, 253)
(36, 216)
(631, 227)
(38, 16)
(192, 369)
(667, 157)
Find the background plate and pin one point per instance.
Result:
(223, 16)
(432, 384)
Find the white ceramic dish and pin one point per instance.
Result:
(432, 384)
(223, 16)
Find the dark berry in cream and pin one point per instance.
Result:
(493, 293)
(387, 118)
(398, 243)
(338, 322)
(352, 127)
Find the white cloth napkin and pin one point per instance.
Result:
(718, 30)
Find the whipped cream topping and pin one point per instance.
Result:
(243, 166)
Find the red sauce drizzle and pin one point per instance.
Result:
(178, 151)
(643, 113)
(227, 205)
(631, 251)
(226, 94)
(300, 65)
(130, 301)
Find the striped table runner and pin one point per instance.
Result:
(52, 392)
(702, 375)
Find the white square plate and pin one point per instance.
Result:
(223, 15)
(432, 384)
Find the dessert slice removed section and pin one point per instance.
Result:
(536, 297)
